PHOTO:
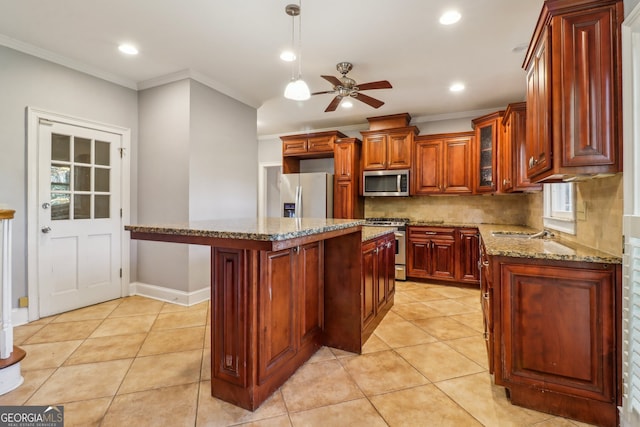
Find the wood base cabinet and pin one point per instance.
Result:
(557, 336)
(378, 281)
(443, 253)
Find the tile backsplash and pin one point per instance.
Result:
(501, 209)
(600, 228)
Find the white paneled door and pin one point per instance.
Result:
(79, 216)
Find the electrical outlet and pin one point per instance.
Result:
(23, 302)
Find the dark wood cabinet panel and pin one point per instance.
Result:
(310, 270)
(388, 149)
(347, 202)
(488, 131)
(229, 302)
(369, 283)
(294, 146)
(467, 255)
(378, 281)
(574, 86)
(512, 153)
(443, 253)
(555, 336)
(277, 314)
(442, 164)
(321, 144)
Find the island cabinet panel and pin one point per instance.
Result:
(290, 308)
(277, 315)
(486, 298)
(369, 282)
(557, 346)
(229, 302)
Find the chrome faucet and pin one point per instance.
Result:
(542, 235)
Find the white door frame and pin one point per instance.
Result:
(33, 119)
(262, 185)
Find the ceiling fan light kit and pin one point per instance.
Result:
(297, 88)
(344, 87)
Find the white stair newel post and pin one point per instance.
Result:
(6, 335)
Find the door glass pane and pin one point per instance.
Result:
(102, 179)
(102, 153)
(81, 206)
(82, 178)
(60, 206)
(60, 145)
(60, 177)
(102, 207)
(82, 150)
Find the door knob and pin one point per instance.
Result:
(45, 229)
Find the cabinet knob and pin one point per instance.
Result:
(430, 232)
(485, 263)
(530, 162)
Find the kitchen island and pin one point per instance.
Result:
(270, 279)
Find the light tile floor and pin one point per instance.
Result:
(137, 361)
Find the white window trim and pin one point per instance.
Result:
(565, 225)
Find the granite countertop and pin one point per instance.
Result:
(263, 229)
(441, 223)
(547, 248)
(371, 232)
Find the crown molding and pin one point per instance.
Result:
(47, 55)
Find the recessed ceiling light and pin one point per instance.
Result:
(450, 17)
(288, 56)
(129, 49)
(346, 104)
(456, 87)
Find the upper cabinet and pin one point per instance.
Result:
(442, 164)
(488, 130)
(307, 146)
(347, 203)
(388, 144)
(574, 90)
(512, 155)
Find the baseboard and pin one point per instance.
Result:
(169, 295)
(20, 316)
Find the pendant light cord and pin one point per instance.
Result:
(300, 41)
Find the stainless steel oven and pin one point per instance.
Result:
(401, 242)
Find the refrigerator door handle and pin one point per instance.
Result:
(298, 210)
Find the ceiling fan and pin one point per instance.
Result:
(345, 86)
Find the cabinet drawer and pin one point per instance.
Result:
(442, 233)
(294, 146)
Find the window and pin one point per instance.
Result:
(559, 207)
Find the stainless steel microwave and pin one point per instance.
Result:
(385, 183)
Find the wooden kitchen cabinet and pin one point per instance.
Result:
(347, 202)
(512, 151)
(388, 149)
(443, 253)
(442, 164)
(378, 281)
(467, 253)
(431, 252)
(556, 344)
(486, 296)
(307, 146)
(574, 110)
(291, 305)
(488, 132)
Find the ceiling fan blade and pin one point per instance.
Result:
(375, 103)
(334, 104)
(382, 84)
(333, 80)
(323, 92)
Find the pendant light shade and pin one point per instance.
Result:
(297, 89)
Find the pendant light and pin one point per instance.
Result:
(297, 89)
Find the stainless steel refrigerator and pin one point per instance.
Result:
(306, 195)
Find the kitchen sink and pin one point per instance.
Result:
(512, 234)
